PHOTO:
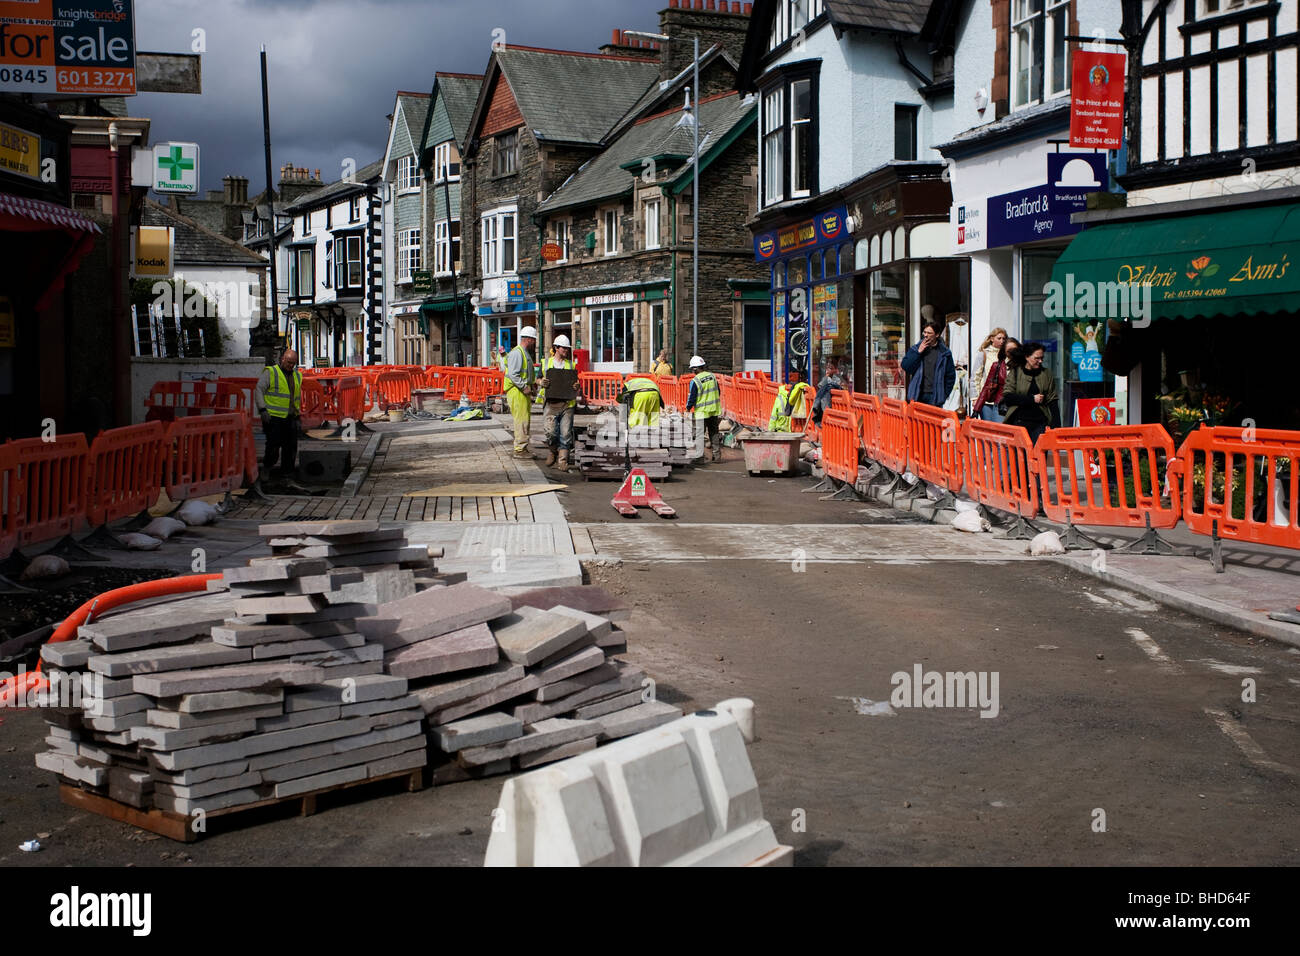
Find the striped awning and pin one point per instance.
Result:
(19, 214)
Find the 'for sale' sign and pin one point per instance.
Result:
(1097, 100)
(79, 47)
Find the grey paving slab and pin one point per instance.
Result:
(371, 707)
(174, 657)
(336, 761)
(477, 731)
(216, 801)
(629, 679)
(163, 738)
(410, 760)
(529, 635)
(255, 744)
(259, 676)
(165, 623)
(610, 704)
(239, 634)
(465, 649)
(637, 719)
(551, 754)
(493, 697)
(432, 613)
(207, 702)
(589, 598)
(177, 720)
(354, 691)
(274, 569)
(210, 787)
(307, 646)
(317, 528)
(69, 655)
(299, 718)
(570, 665)
(571, 685)
(541, 735)
(597, 624)
(111, 725)
(119, 706)
(443, 693)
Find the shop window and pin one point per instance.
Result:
(1038, 50)
(562, 324)
(611, 335)
(888, 332)
(658, 333)
(905, 131)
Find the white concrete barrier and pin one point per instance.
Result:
(683, 794)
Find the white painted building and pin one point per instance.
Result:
(405, 236)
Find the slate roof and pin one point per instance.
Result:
(414, 107)
(195, 244)
(320, 197)
(896, 16)
(574, 97)
(603, 177)
(459, 93)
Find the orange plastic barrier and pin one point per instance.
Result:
(767, 393)
(841, 400)
(350, 398)
(248, 454)
(47, 498)
(840, 445)
(892, 448)
(242, 389)
(8, 517)
(934, 447)
(486, 382)
(312, 407)
(1001, 468)
(1242, 484)
(205, 456)
(681, 391)
(394, 390)
(727, 391)
(600, 389)
(748, 394)
(867, 408)
(1107, 475)
(168, 401)
(125, 473)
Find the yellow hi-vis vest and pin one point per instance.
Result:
(789, 401)
(550, 363)
(530, 373)
(279, 398)
(708, 398)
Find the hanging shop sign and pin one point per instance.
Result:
(20, 152)
(552, 251)
(88, 48)
(824, 229)
(421, 282)
(176, 167)
(152, 249)
(1097, 100)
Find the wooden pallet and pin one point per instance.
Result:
(176, 826)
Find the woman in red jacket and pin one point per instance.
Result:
(986, 405)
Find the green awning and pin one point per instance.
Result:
(439, 305)
(1216, 263)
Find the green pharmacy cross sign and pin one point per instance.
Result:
(176, 168)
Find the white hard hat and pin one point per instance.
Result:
(561, 341)
(697, 362)
(528, 332)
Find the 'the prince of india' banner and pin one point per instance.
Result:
(1097, 100)
(80, 47)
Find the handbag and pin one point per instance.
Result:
(954, 400)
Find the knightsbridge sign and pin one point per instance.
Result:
(84, 46)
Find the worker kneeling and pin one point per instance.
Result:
(789, 404)
(520, 379)
(705, 400)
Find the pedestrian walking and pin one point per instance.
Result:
(929, 365)
(705, 400)
(558, 420)
(994, 377)
(278, 398)
(1030, 391)
(520, 379)
(986, 357)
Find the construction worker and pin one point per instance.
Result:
(705, 399)
(642, 397)
(519, 387)
(559, 415)
(278, 397)
(789, 404)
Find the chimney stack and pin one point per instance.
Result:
(621, 45)
(713, 21)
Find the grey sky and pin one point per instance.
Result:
(336, 66)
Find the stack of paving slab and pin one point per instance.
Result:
(513, 681)
(265, 689)
(342, 657)
(600, 454)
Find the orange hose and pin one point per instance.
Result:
(17, 687)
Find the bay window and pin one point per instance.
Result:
(347, 263)
(446, 163)
(790, 17)
(408, 174)
(499, 243)
(302, 272)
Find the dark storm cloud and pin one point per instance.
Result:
(335, 68)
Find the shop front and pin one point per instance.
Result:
(1208, 294)
(621, 329)
(1014, 238)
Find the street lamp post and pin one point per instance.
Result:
(695, 183)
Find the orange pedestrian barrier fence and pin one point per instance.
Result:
(47, 496)
(486, 382)
(1109, 475)
(867, 408)
(1242, 484)
(168, 401)
(892, 447)
(749, 396)
(681, 392)
(768, 392)
(312, 405)
(841, 400)
(600, 389)
(667, 385)
(204, 456)
(726, 391)
(394, 390)
(934, 450)
(1002, 472)
(125, 472)
(8, 517)
(248, 455)
(350, 398)
(840, 451)
(243, 389)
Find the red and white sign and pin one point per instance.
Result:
(1097, 100)
(552, 251)
(1094, 411)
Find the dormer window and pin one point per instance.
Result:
(790, 17)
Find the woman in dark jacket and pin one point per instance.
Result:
(1030, 392)
(990, 396)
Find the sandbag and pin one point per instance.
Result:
(970, 521)
(140, 542)
(45, 566)
(163, 528)
(1049, 542)
(195, 512)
